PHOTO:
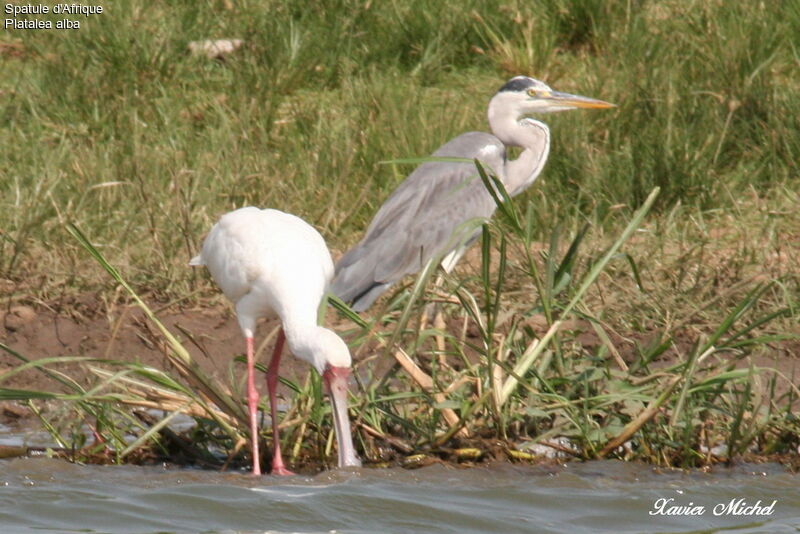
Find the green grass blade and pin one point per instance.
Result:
(345, 310)
(8, 394)
(530, 356)
(598, 267)
(151, 432)
(181, 355)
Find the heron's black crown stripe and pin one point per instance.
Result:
(517, 84)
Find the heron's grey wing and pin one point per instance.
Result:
(419, 219)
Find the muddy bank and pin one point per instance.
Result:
(89, 329)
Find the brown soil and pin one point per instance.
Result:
(124, 335)
(89, 329)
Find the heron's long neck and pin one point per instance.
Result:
(532, 135)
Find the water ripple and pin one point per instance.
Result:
(47, 496)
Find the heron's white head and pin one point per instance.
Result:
(522, 95)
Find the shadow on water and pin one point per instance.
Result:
(48, 496)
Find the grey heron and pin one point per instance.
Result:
(419, 218)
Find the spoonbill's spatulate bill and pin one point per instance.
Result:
(269, 263)
(418, 221)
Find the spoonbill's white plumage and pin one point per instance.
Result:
(269, 263)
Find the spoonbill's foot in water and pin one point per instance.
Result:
(280, 470)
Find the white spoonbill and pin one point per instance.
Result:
(269, 263)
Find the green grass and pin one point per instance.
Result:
(116, 129)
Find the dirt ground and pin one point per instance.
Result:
(88, 326)
(211, 334)
(39, 332)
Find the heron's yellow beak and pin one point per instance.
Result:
(577, 101)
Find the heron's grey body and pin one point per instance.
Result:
(403, 236)
(426, 215)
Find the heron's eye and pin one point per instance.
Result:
(533, 92)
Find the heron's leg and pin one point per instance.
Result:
(439, 324)
(252, 405)
(278, 468)
(438, 321)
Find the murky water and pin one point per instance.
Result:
(39, 495)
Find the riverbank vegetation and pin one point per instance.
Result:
(640, 301)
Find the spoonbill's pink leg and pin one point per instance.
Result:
(252, 405)
(278, 467)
